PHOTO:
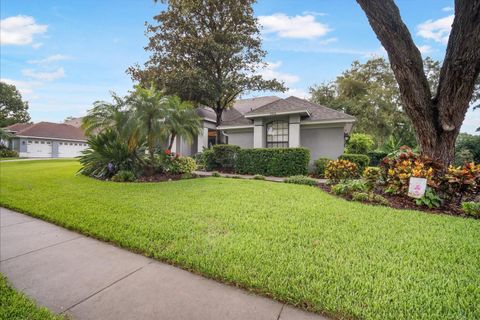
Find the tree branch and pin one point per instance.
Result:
(461, 66)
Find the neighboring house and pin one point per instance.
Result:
(272, 122)
(47, 140)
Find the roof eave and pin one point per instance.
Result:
(281, 113)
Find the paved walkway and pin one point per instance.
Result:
(247, 176)
(89, 279)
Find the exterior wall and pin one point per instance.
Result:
(294, 131)
(241, 137)
(55, 149)
(259, 133)
(326, 142)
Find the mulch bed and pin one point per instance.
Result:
(404, 203)
(161, 177)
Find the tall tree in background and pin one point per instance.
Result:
(205, 51)
(436, 116)
(369, 92)
(12, 108)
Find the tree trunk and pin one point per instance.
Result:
(172, 139)
(218, 122)
(437, 120)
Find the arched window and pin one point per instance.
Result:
(277, 134)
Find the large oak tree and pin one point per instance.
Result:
(437, 116)
(206, 51)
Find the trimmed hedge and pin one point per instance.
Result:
(301, 180)
(376, 157)
(362, 161)
(273, 162)
(224, 155)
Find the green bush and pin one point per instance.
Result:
(273, 161)
(258, 177)
(182, 165)
(359, 143)
(216, 174)
(320, 166)
(429, 199)
(369, 197)
(346, 188)
(301, 180)
(209, 160)
(224, 156)
(362, 161)
(7, 153)
(360, 196)
(124, 176)
(471, 208)
(376, 157)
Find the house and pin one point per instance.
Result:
(47, 140)
(273, 122)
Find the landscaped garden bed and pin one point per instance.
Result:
(294, 243)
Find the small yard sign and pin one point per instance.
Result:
(417, 187)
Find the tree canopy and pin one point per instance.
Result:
(12, 108)
(207, 52)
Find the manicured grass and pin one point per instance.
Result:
(291, 242)
(16, 306)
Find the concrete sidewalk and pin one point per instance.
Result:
(89, 279)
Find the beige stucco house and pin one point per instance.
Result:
(273, 122)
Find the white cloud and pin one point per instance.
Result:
(425, 49)
(49, 59)
(302, 27)
(300, 93)
(447, 9)
(19, 30)
(271, 72)
(44, 76)
(26, 88)
(437, 30)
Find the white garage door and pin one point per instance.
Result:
(71, 149)
(39, 148)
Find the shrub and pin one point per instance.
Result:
(361, 160)
(201, 159)
(181, 165)
(209, 160)
(273, 161)
(224, 156)
(107, 154)
(429, 199)
(301, 180)
(216, 174)
(398, 169)
(471, 208)
(346, 188)
(463, 181)
(360, 196)
(258, 177)
(7, 153)
(371, 175)
(376, 157)
(340, 170)
(320, 166)
(359, 143)
(124, 176)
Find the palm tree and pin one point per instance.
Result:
(105, 115)
(149, 115)
(181, 120)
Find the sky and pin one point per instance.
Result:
(64, 55)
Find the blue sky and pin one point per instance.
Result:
(64, 55)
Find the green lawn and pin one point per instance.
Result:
(291, 242)
(16, 306)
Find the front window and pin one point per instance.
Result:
(277, 134)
